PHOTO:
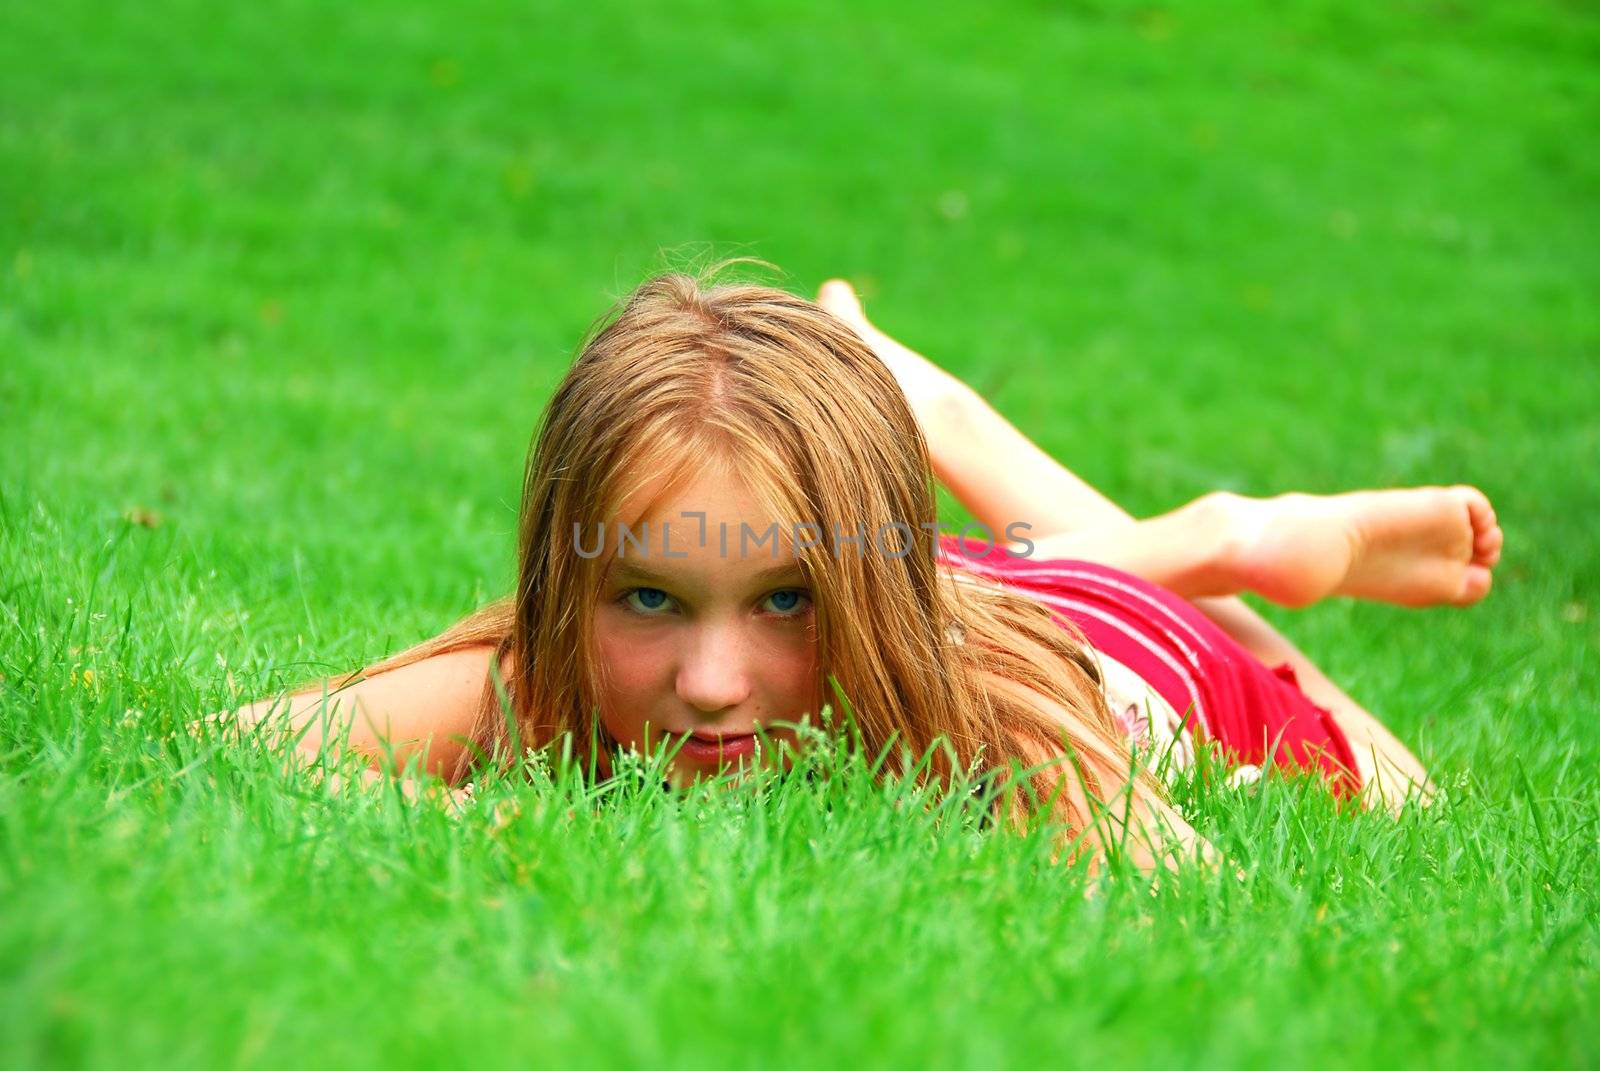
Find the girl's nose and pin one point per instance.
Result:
(711, 676)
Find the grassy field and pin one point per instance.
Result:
(284, 286)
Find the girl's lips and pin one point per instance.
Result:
(713, 747)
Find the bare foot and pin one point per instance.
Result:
(925, 384)
(1415, 547)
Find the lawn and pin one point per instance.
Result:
(284, 286)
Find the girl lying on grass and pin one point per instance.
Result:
(731, 500)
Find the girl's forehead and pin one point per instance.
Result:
(707, 526)
(708, 575)
(713, 490)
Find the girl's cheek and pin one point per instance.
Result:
(629, 664)
(803, 687)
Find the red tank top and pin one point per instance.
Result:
(1222, 692)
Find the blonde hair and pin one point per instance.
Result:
(800, 406)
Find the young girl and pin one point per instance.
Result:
(730, 500)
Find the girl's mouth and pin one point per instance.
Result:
(718, 747)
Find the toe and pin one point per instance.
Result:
(1475, 583)
(1486, 551)
(1486, 536)
(1478, 507)
(839, 298)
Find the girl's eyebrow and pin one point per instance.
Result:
(638, 572)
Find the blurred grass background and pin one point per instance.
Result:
(292, 281)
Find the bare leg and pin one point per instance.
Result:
(1031, 485)
(1389, 771)
(1415, 547)
(1035, 487)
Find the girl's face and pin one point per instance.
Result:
(703, 636)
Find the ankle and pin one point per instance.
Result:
(1223, 529)
(1289, 549)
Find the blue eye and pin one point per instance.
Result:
(653, 599)
(653, 602)
(789, 601)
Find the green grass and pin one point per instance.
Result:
(296, 279)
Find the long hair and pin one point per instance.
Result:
(791, 399)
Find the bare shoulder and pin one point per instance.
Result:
(429, 707)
